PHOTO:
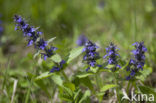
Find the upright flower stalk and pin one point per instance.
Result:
(33, 36)
(112, 56)
(136, 64)
(90, 54)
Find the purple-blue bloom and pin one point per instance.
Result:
(112, 55)
(139, 59)
(48, 52)
(33, 36)
(81, 40)
(90, 54)
(41, 44)
(59, 67)
(28, 31)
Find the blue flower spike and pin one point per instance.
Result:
(33, 36)
(112, 56)
(90, 54)
(136, 64)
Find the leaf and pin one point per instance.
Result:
(51, 39)
(108, 86)
(43, 76)
(146, 71)
(83, 75)
(57, 79)
(94, 70)
(36, 54)
(66, 97)
(123, 67)
(86, 81)
(70, 86)
(56, 58)
(42, 85)
(74, 53)
(100, 93)
(110, 66)
(147, 90)
(86, 94)
(67, 94)
(76, 94)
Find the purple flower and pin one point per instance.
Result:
(112, 55)
(59, 67)
(29, 32)
(54, 69)
(48, 52)
(90, 54)
(82, 40)
(41, 44)
(139, 59)
(33, 36)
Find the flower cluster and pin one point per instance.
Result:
(48, 52)
(81, 40)
(91, 55)
(112, 55)
(33, 36)
(59, 67)
(139, 60)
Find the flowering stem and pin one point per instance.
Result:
(97, 81)
(65, 76)
(117, 88)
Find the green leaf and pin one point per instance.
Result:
(51, 39)
(70, 86)
(67, 94)
(66, 97)
(83, 75)
(76, 94)
(146, 71)
(56, 58)
(43, 76)
(58, 80)
(110, 66)
(36, 54)
(100, 93)
(86, 81)
(74, 53)
(147, 90)
(94, 70)
(43, 86)
(108, 86)
(85, 96)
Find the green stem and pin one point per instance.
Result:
(117, 88)
(134, 84)
(97, 81)
(65, 76)
(129, 83)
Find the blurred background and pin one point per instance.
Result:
(102, 21)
